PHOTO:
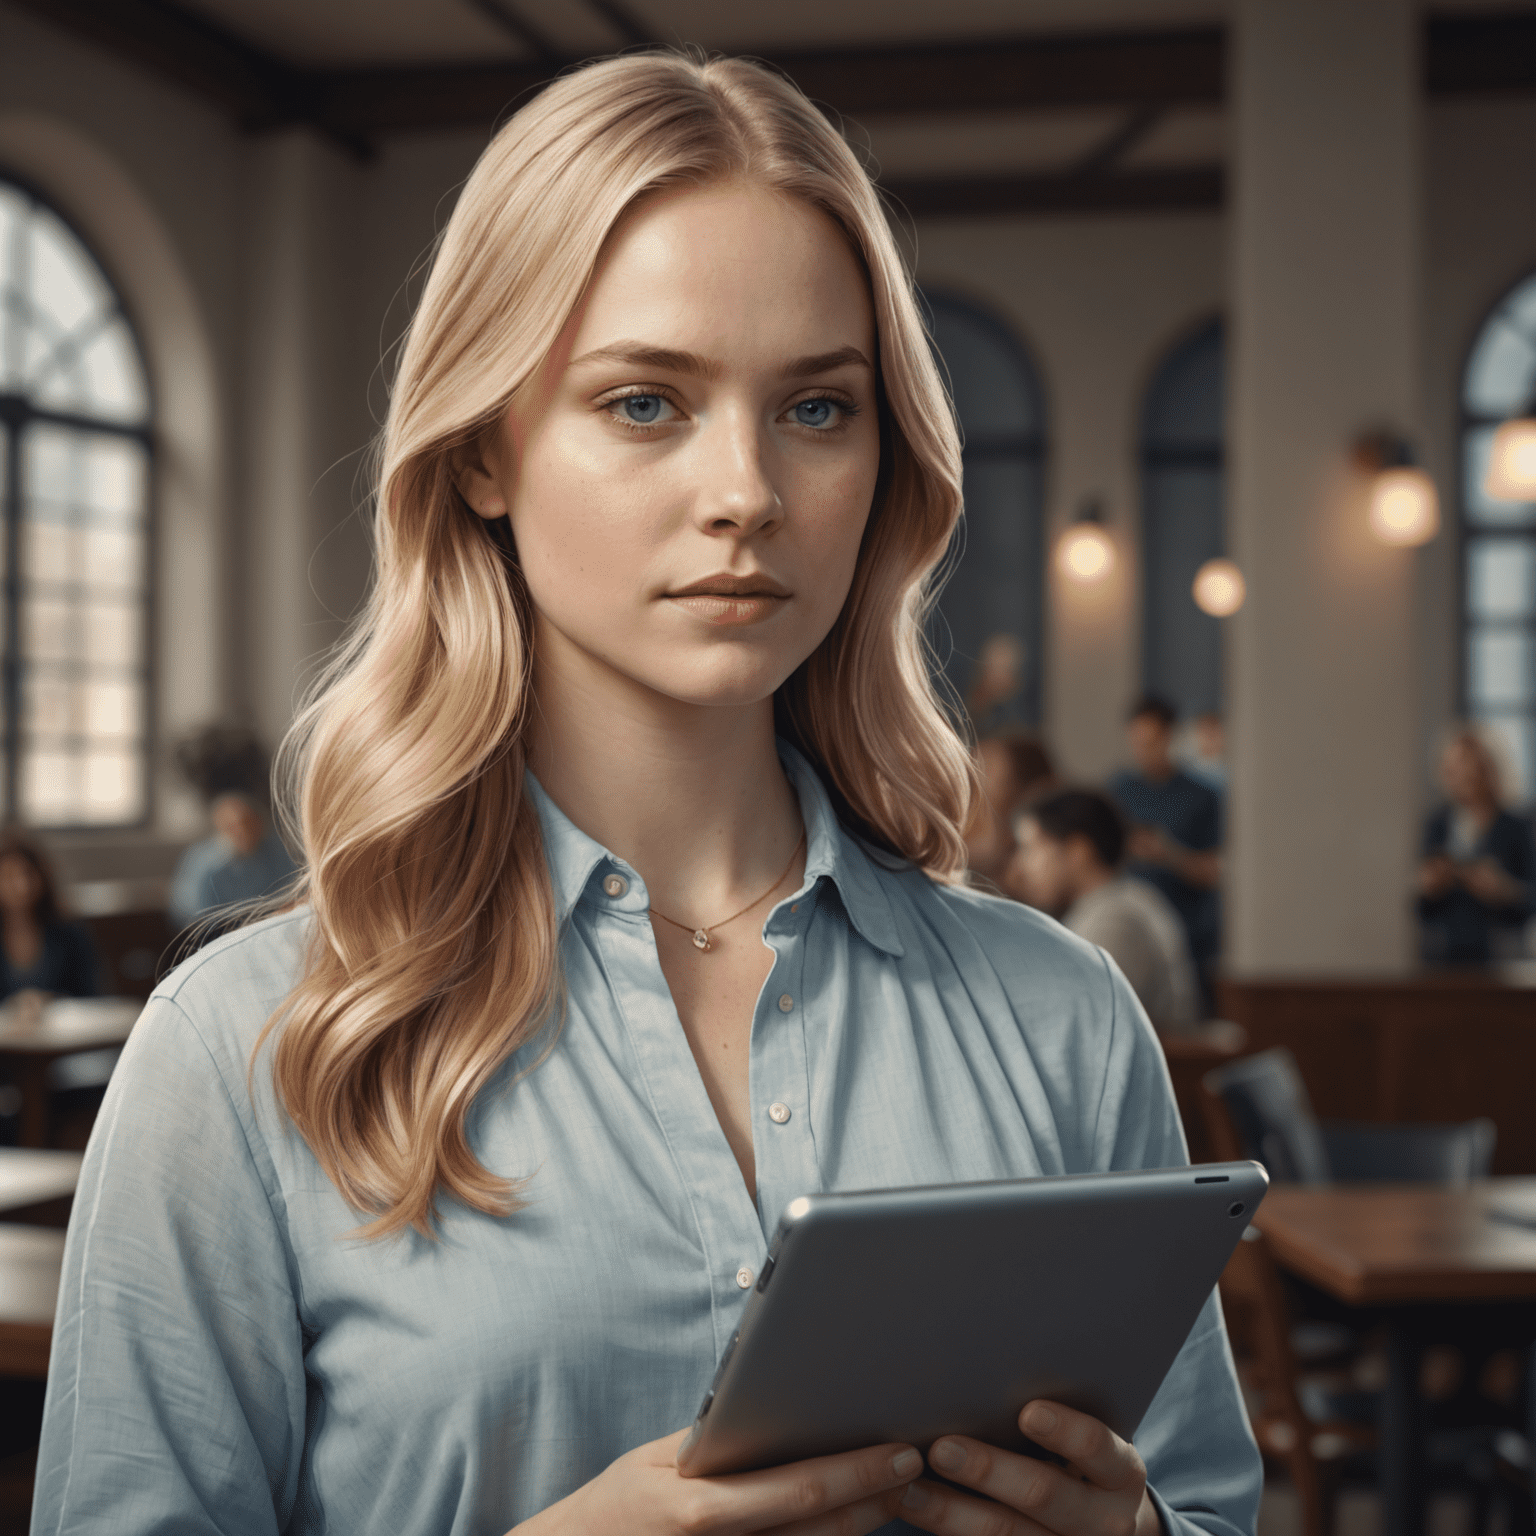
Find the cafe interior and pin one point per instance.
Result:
(1237, 304)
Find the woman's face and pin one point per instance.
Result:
(690, 474)
(20, 887)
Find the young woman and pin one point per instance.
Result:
(632, 828)
(41, 952)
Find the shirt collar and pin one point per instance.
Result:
(574, 858)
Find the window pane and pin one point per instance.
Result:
(113, 635)
(112, 710)
(1501, 668)
(1514, 738)
(995, 395)
(49, 551)
(1482, 510)
(113, 476)
(47, 704)
(113, 380)
(48, 631)
(1501, 371)
(66, 287)
(49, 780)
(111, 788)
(110, 559)
(1501, 578)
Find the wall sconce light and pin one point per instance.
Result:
(1511, 472)
(1219, 588)
(1084, 553)
(1405, 508)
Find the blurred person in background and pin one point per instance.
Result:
(244, 860)
(994, 700)
(1014, 767)
(41, 953)
(1068, 863)
(1477, 880)
(1175, 836)
(1205, 757)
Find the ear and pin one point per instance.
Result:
(474, 466)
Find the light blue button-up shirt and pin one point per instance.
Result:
(228, 1359)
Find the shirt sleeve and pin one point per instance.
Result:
(176, 1386)
(1203, 1465)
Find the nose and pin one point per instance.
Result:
(736, 491)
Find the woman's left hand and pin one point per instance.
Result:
(1102, 1491)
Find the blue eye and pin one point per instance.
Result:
(643, 410)
(816, 413)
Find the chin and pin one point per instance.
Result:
(718, 681)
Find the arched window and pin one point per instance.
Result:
(74, 487)
(990, 607)
(1182, 457)
(1499, 540)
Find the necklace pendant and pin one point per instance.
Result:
(700, 939)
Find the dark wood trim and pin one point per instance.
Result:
(1195, 189)
(1480, 55)
(1464, 54)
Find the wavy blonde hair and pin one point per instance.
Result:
(407, 765)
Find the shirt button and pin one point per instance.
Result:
(786, 1004)
(615, 885)
(744, 1278)
(778, 1113)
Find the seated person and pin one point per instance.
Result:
(1071, 845)
(1013, 767)
(243, 861)
(1175, 837)
(41, 951)
(1477, 881)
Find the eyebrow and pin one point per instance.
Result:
(666, 360)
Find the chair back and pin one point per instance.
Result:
(1268, 1105)
(1445, 1154)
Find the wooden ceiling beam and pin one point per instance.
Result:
(1182, 189)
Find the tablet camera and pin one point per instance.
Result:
(1236, 1208)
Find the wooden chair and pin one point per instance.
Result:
(1190, 1057)
(1310, 1450)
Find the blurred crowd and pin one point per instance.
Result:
(1135, 864)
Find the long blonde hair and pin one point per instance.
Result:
(435, 952)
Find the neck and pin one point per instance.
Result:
(691, 796)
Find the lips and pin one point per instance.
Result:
(754, 585)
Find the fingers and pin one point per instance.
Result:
(932, 1507)
(851, 1520)
(1085, 1443)
(801, 1492)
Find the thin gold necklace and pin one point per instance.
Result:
(701, 939)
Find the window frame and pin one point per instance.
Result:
(18, 414)
(1152, 456)
(1468, 533)
(1029, 448)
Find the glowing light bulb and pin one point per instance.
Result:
(1511, 472)
(1085, 553)
(1219, 588)
(1404, 506)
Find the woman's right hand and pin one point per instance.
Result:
(643, 1494)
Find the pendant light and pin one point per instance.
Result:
(1219, 588)
(1511, 474)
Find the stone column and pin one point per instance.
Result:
(1326, 238)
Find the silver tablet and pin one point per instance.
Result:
(905, 1314)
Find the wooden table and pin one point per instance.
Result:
(31, 1040)
(1437, 1265)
